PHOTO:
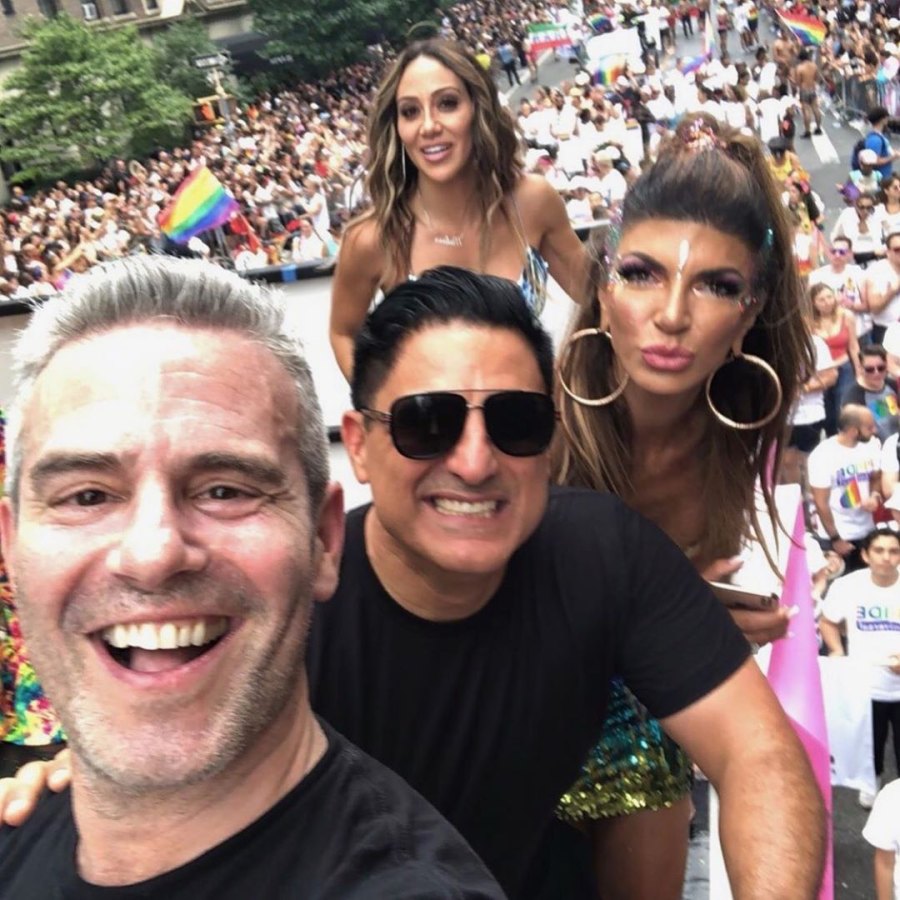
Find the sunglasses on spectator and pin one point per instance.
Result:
(428, 425)
(873, 369)
(840, 251)
(865, 208)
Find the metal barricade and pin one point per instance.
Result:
(854, 96)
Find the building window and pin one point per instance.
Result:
(7, 7)
(48, 8)
(119, 7)
(90, 10)
(151, 6)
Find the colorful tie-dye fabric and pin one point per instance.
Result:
(26, 716)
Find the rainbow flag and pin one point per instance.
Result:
(609, 69)
(599, 23)
(200, 203)
(691, 64)
(851, 498)
(752, 14)
(547, 36)
(809, 30)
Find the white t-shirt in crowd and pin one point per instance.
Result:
(810, 408)
(872, 614)
(883, 277)
(847, 225)
(889, 462)
(612, 187)
(891, 340)
(882, 830)
(847, 473)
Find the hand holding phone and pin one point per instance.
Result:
(743, 597)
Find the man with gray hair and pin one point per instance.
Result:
(168, 524)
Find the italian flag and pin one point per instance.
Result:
(547, 36)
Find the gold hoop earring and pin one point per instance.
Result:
(588, 401)
(773, 376)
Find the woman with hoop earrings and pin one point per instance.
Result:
(674, 392)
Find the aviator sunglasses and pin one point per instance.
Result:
(428, 425)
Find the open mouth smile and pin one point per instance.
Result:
(162, 646)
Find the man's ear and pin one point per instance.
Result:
(329, 543)
(8, 536)
(354, 434)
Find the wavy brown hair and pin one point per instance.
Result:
(495, 151)
(724, 182)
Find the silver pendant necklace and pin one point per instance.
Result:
(445, 239)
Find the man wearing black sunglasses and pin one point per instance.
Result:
(876, 390)
(480, 615)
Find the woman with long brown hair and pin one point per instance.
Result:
(674, 392)
(448, 188)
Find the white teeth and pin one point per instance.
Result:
(435, 150)
(168, 637)
(165, 635)
(198, 634)
(148, 638)
(465, 507)
(117, 636)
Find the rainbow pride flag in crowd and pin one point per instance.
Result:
(600, 23)
(691, 64)
(809, 30)
(851, 497)
(547, 36)
(200, 203)
(609, 69)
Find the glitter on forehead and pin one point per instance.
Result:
(684, 250)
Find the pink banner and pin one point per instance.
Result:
(794, 676)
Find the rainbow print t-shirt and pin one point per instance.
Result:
(847, 472)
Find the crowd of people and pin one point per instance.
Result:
(717, 332)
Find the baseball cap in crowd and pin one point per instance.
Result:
(606, 154)
(867, 157)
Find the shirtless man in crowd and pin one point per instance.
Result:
(805, 78)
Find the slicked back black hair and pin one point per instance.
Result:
(441, 296)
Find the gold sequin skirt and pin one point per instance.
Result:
(635, 766)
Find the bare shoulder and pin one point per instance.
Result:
(534, 189)
(538, 201)
(360, 267)
(363, 241)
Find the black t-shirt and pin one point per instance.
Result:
(350, 830)
(491, 717)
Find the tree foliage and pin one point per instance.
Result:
(323, 35)
(177, 46)
(83, 95)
